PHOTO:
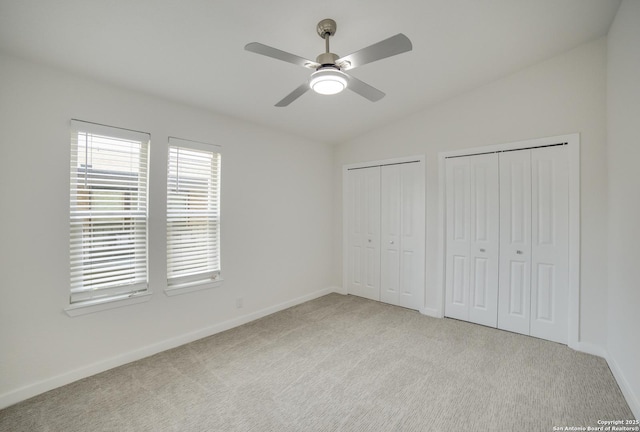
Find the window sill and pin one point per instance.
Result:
(191, 287)
(92, 306)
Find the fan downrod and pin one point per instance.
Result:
(327, 28)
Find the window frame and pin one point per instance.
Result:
(116, 295)
(212, 277)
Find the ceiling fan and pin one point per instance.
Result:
(329, 76)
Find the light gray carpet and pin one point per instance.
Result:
(339, 363)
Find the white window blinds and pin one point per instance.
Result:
(108, 212)
(193, 213)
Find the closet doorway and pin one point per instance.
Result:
(511, 237)
(384, 231)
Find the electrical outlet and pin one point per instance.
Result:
(239, 302)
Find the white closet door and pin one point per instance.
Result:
(472, 196)
(484, 239)
(391, 229)
(458, 237)
(402, 235)
(550, 243)
(364, 232)
(514, 303)
(413, 236)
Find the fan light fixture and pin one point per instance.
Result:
(328, 81)
(329, 75)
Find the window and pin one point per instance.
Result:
(108, 214)
(193, 216)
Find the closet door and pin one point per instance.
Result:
(402, 235)
(364, 232)
(550, 243)
(458, 237)
(472, 194)
(515, 241)
(484, 236)
(391, 247)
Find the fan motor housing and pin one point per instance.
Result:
(327, 59)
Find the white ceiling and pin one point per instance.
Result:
(192, 51)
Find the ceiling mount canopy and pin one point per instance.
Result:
(329, 77)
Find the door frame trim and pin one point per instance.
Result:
(573, 151)
(420, 159)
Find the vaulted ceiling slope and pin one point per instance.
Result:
(192, 51)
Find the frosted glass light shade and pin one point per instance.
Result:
(328, 81)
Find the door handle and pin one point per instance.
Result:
(391, 242)
(519, 252)
(482, 250)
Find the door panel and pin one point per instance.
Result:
(410, 278)
(518, 289)
(459, 282)
(550, 245)
(545, 294)
(412, 239)
(484, 244)
(472, 199)
(458, 237)
(355, 266)
(364, 232)
(514, 299)
(356, 270)
(480, 284)
(389, 275)
(390, 236)
(371, 270)
(402, 235)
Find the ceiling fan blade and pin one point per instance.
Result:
(364, 89)
(275, 53)
(302, 89)
(389, 47)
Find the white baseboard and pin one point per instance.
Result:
(432, 312)
(632, 399)
(589, 348)
(39, 387)
(340, 290)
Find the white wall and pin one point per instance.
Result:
(565, 94)
(623, 140)
(276, 198)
